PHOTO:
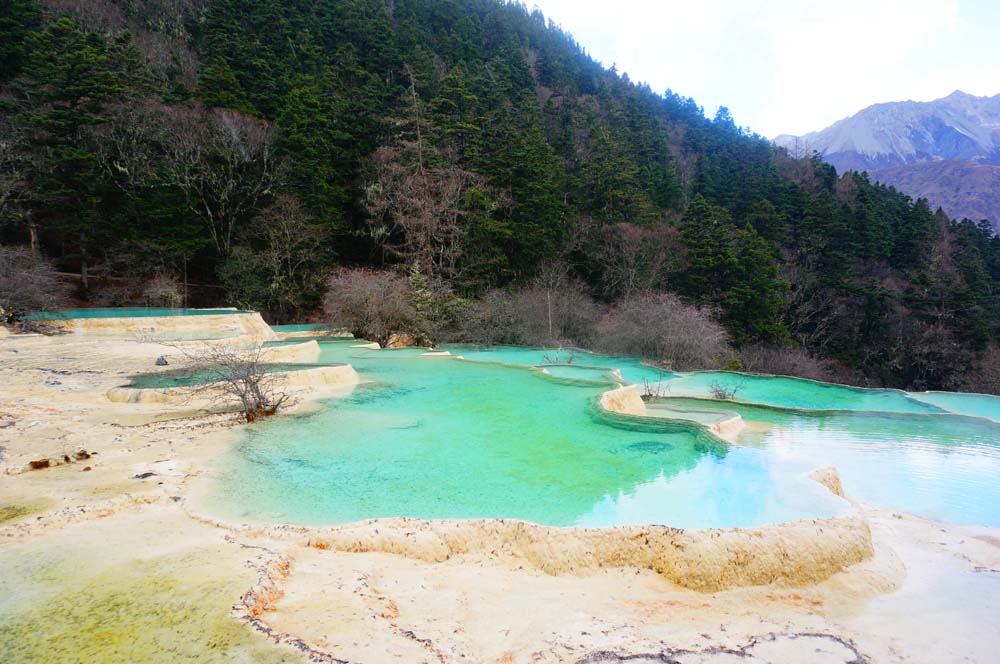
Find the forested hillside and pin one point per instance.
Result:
(251, 146)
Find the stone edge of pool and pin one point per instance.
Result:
(236, 324)
(796, 553)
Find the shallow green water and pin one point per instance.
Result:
(798, 393)
(127, 312)
(169, 378)
(632, 369)
(301, 327)
(973, 405)
(445, 438)
(435, 437)
(693, 413)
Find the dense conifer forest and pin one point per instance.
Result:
(247, 148)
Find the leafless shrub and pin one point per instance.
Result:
(785, 361)
(660, 327)
(373, 305)
(556, 317)
(490, 320)
(32, 326)
(27, 283)
(984, 376)
(655, 390)
(636, 259)
(163, 290)
(560, 356)
(237, 375)
(724, 391)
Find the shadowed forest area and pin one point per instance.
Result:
(464, 171)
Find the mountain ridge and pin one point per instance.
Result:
(946, 150)
(959, 126)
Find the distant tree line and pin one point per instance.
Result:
(241, 151)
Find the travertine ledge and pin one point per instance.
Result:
(789, 554)
(173, 328)
(624, 400)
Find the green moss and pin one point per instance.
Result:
(168, 609)
(15, 512)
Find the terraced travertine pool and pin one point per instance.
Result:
(128, 312)
(491, 436)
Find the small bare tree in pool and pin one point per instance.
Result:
(559, 356)
(725, 391)
(234, 374)
(653, 390)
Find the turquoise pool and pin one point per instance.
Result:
(436, 437)
(973, 405)
(943, 467)
(632, 369)
(489, 436)
(796, 393)
(171, 378)
(128, 312)
(301, 327)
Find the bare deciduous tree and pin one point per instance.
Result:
(420, 211)
(373, 305)
(636, 259)
(93, 15)
(15, 163)
(27, 284)
(661, 327)
(279, 270)
(237, 375)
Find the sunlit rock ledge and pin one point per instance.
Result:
(789, 554)
(173, 328)
(626, 400)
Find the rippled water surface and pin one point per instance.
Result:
(440, 437)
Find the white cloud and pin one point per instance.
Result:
(791, 66)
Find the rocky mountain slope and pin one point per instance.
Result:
(965, 189)
(947, 150)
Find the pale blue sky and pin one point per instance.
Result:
(793, 66)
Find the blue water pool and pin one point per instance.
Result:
(492, 435)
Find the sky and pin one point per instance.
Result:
(792, 66)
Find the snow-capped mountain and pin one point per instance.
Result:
(959, 126)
